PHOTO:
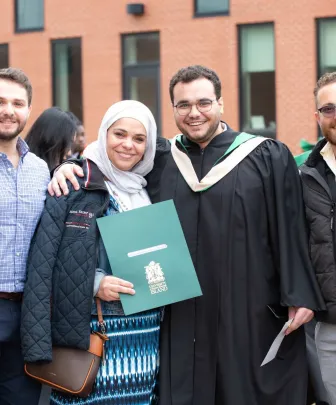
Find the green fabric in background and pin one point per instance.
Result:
(143, 228)
(300, 159)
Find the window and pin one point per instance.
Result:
(141, 71)
(257, 79)
(29, 15)
(211, 7)
(326, 30)
(4, 62)
(67, 75)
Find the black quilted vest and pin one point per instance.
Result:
(319, 193)
(61, 269)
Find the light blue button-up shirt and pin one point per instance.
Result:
(22, 196)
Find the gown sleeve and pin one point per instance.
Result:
(287, 226)
(154, 177)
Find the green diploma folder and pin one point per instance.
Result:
(146, 247)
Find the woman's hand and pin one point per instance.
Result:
(110, 287)
(67, 171)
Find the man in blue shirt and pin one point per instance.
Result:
(23, 178)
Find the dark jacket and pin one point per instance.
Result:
(319, 193)
(61, 268)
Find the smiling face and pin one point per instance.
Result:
(14, 109)
(326, 96)
(199, 127)
(126, 143)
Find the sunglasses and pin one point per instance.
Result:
(328, 111)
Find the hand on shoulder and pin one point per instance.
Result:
(67, 171)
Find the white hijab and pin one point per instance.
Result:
(129, 184)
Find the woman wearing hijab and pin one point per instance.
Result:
(73, 272)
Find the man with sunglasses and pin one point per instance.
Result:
(246, 234)
(319, 191)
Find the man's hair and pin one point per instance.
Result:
(19, 77)
(327, 78)
(190, 73)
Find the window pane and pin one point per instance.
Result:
(141, 48)
(4, 56)
(257, 70)
(144, 89)
(257, 46)
(141, 73)
(67, 75)
(212, 6)
(327, 45)
(29, 14)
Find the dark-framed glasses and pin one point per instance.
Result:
(201, 105)
(328, 111)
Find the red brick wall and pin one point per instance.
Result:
(185, 40)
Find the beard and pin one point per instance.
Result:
(329, 132)
(200, 138)
(9, 135)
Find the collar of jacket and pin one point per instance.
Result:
(312, 167)
(315, 155)
(93, 178)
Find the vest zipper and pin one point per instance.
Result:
(332, 213)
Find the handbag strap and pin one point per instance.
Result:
(100, 316)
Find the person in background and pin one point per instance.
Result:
(114, 166)
(79, 143)
(318, 175)
(51, 136)
(24, 179)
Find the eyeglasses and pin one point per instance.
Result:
(328, 111)
(202, 106)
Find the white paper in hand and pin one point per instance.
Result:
(276, 344)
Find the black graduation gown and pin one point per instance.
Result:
(247, 241)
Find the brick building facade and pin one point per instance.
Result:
(86, 54)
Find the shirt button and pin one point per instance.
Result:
(9, 169)
(18, 253)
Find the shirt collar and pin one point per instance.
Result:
(328, 156)
(22, 147)
(325, 151)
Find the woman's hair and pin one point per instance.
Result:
(51, 136)
(78, 122)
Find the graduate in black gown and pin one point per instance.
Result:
(246, 236)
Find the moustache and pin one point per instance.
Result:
(7, 118)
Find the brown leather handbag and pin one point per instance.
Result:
(72, 371)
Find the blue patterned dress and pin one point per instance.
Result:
(128, 374)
